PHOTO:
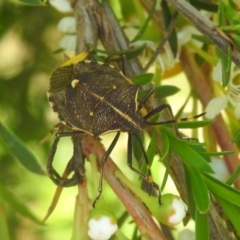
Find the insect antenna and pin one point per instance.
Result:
(174, 121)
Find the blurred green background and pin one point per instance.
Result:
(28, 39)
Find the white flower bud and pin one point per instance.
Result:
(61, 5)
(67, 25)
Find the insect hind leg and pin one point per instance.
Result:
(103, 161)
(148, 176)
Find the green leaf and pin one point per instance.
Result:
(134, 52)
(202, 38)
(226, 65)
(145, 25)
(201, 226)
(222, 190)
(200, 191)
(116, 55)
(231, 211)
(166, 146)
(186, 153)
(143, 78)
(194, 124)
(17, 204)
(34, 2)
(160, 91)
(17, 148)
(152, 147)
(233, 176)
(165, 91)
(236, 137)
(137, 150)
(225, 58)
(167, 18)
(222, 153)
(204, 5)
(201, 150)
(191, 201)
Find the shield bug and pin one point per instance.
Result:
(95, 98)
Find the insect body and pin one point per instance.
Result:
(95, 99)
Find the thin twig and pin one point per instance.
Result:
(163, 41)
(205, 26)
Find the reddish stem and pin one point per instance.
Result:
(202, 90)
(134, 206)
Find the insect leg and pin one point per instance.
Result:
(147, 177)
(103, 161)
(52, 173)
(159, 109)
(75, 164)
(146, 97)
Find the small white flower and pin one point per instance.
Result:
(67, 25)
(220, 168)
(101, 228)
(185, 36)
(180, 209)
(68, 42)
(61, 5)
(215, 106)
(232, 93)
(165, 58)
(217, 72)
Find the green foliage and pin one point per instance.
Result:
(29, 55)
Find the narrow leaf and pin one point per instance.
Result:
(165, 144)
(233, 176)
(166, 21)
(191, 201)
(201, 226)
(143, 78)
(34, 2)
(223, 153)
(200, 191)
(186, 153)
(152, 147)
(165, 91)
(17, 148)
(223, 190)
(236, 137)
(194, 124)
(145, 25)
(231, 211)
(204, 5)
(202, 151)
(160, 91)
(17, 204)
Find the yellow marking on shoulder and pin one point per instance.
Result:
(91, 113)
(114, 87)
(74, 83)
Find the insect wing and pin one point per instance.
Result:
(113, 110)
